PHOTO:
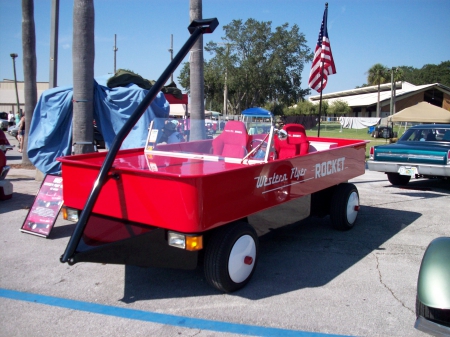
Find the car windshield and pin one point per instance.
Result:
(229, 140)
(427, 134)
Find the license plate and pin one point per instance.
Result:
(407, 171)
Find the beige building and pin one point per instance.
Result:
(8, 99)
(363, 101)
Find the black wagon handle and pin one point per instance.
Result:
(196, 28)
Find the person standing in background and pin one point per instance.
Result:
(11, 119)
(21, 132)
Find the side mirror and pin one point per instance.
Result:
(282, 134)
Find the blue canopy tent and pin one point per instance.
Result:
(256, 120)
(257, 113)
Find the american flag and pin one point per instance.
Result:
(322, 58)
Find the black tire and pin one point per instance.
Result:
(344, 206)
(397, 179)
(440, 316)
(235, 243)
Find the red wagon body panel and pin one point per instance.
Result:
(193, 195)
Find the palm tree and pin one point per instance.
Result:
(83, 54)
(377, 75)
(29, 70)
(197, 85)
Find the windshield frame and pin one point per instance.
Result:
(174, 140)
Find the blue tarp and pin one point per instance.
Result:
(257, 112)
(50, 134)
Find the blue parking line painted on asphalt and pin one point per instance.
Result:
(147, 316)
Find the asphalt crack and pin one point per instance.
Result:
(380, 278)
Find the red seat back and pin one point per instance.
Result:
(232, 142)
(295, 144)
(2, 160)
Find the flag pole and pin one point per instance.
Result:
(320, 100)
(321, 75)
(322, 58)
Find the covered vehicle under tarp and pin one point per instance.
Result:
(50, 134)
(422, 112)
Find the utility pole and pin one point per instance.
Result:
(115, 49)
(13, 56)
(225, 96)
(225, 87)
(53, 77)
(171, 54)
(392, 107)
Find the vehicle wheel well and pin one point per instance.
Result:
(440, 316)
(397, 179)
(321, 201)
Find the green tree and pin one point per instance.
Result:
(429, 73)
(29, 70)
(304, 107)
(261, 65)
(339, 107)
(377, 75)
(83, 55)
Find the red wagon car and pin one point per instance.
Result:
(167, 203)
(187, 198)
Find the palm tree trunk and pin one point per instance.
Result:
(83, 55)
(196, 78)
(29, 71)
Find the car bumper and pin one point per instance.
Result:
(431, 328)
(422, 169)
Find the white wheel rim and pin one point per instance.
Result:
(237, 268)
(352, 206)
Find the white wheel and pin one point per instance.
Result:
(230, 256)
(352, 207)
(344, 206)
(241, 259)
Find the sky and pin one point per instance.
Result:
(361, 32)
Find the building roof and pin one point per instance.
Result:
(368, 96)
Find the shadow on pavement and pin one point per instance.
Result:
(18, 201)
(304, 254)
(60, 232)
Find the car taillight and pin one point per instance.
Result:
(372, 152)
(448, 157)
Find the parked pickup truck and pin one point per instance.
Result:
(423, 151)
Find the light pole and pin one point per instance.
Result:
(115, 49)
(13, 56)
(171, 54)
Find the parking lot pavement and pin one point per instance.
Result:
(309, 278)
